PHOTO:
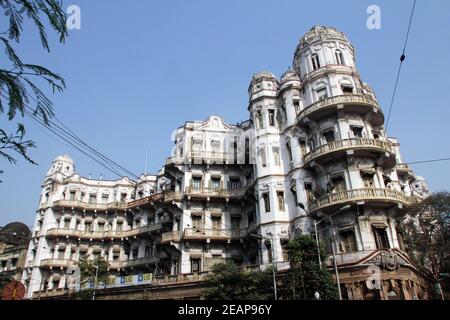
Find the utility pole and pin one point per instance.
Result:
(273, 263)
(95, 281)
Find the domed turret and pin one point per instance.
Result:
(62, 164)
(323, 47)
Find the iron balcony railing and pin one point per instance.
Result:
(215, 192)
(365, 194)
(352, 143)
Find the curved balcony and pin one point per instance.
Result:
(56, 263)
(75, 204)
(199, 157)
(361, 146)
(382, 197)
(208, 234)
(172, 236)
(357, 103)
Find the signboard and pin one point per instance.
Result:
(123, 281)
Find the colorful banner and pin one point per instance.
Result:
(124, 281)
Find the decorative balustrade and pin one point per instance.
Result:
(132, 263)
(403, 167)
(56, 263)
(173, 196)
(213, 234)
(90, 206)
(172, 236)
(200, 156)
(119, 234)
(352, 99)
(353, 143)
(216, 192)
(143, 201)
(366, 194)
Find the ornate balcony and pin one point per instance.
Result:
(132, 263)
(378, 196)
(337, 148)
(358, 103)
(215, 192)
(100, 235)
(199, 157)
(56, 263)
(172, 236)
(403, 169)
(75, 204)
(210, 234)
(146, 200)
(170, 196)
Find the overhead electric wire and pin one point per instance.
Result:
(76, 142)
(428, 161)
(402, 59)
(40, 122)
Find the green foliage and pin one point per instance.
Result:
(305, 276)
(426, 234)
(20, 92)
(229, 282)
(88, 270)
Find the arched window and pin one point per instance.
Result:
(315, 61)
(339, 57)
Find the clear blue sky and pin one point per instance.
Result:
(139, 69)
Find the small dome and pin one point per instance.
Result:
(263, 74)
(16, 232)
(64, 158)
(290, 75)
(321, 33)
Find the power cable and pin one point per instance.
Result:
(402, 59)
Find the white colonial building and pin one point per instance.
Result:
(314, 150)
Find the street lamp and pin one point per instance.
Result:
(95, 281)
(316, 223)
(273, 263)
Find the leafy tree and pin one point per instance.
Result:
(20, 90)
(229, 282)
(305, 277)
(426, 233)
(88, 271)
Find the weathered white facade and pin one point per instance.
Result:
(315, 144)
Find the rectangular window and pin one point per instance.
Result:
(347, 89)
(148, 251)
(315, 61)
(123, 198)
(215, 183)
(105, 198)
(92, 198)
(197, 223)
(271, 117)
(88, 227)
(269, 252)
(259, 119)
(368, 180)
(357, 132)
(216, 223)
(101, 227)
(119, 226)
(348, 241)
(296, 106)
(235, 183)
(196, 183)
(276, 156)
(215, 147)
(61, 254)
(289, 150)
(322, 94)
(66, 223)
(266, 199)
(280, 197)
(329, 136)
(72, 195)
(195, 265)
(338, 184)
(302, 144)
(381, 238)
